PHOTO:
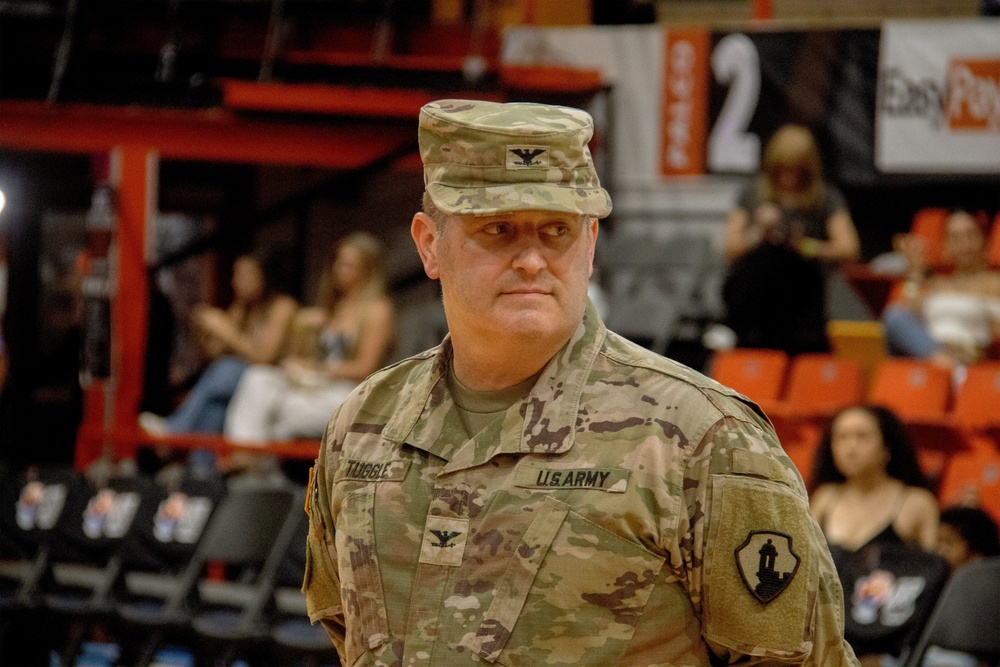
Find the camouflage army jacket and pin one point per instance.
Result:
(629, 511)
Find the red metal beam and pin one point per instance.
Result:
(763, 10)
(134, 178)
(418, 63)
(130, 308)
(139, 136)
(217, 135)
(552, 78)
(324, 99)
(127, 437)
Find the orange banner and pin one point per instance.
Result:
(974, 94)
(684, 114)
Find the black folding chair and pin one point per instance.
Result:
(87, 555)
(240, 537)
(293, 639)
(35, 505)
(890, 590)
(237, 625)
(165, 544)
(966, 617)
(142, 530)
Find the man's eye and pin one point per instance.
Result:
(555, 231)
(496, 228)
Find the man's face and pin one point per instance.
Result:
(521, 275)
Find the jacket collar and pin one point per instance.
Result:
(544, 422)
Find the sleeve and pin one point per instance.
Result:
(321, 582)
(762, 578)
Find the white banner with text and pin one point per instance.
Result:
(938, 100)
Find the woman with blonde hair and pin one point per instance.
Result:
(337, 343)
(785, 237)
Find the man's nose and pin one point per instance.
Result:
(529, 258)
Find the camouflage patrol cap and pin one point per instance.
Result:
(486, 157)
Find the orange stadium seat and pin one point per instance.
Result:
(972, 477)
(758, 374)
(919, 392)
(977, 401)
(915, 389)
(818, 385)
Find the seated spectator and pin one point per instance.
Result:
(867, 484)
(950, 317)
(966, 534)
(870, 499)
(252, 330)
(784, 240)
(348, 337)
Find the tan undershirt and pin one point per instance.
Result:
(479, 409)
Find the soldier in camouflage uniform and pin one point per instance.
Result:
(537, 490)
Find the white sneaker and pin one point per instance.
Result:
(153, 424)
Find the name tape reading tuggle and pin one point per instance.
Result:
(373, 471)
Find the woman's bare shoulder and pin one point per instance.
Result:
(822, 496)
(920, 499)
(827, 489)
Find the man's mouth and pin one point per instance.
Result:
(527, 290)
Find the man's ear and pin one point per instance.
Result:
(423, 229)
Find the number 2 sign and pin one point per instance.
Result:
(730, 146)
(689, 146)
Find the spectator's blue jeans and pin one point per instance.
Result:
(204, 408)
(906, 335)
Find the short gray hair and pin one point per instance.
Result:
(433, 212)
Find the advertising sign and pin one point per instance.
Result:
(938, 103)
